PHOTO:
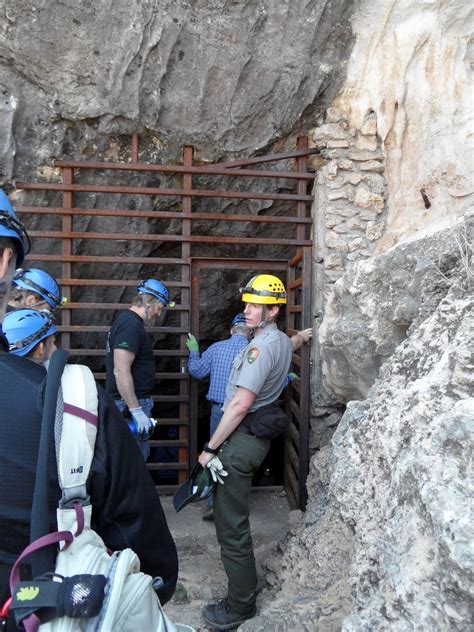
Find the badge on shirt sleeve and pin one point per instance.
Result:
(252, 354)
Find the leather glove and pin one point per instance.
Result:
(217, 470)
(192, 343)
(141, 425)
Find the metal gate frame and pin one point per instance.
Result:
(298, 393)
(66, 238)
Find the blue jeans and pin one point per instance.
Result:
(147, 405)
(216, 416)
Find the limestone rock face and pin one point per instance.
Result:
(401, 480)
(412, 66)
(385, 541)
(378, 301)
(226, 76)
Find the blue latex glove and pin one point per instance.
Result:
(290, 378)
(141, 425)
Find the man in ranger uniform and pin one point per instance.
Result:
(257, 379)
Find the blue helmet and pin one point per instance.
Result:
(239, 319)
(12, 228)
(25, 328)
(157, 289)
(41, 283)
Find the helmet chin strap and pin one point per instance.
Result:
(263, 323)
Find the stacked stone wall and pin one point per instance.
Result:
(350, 193)
(350, 216)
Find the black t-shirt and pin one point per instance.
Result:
(128, 332)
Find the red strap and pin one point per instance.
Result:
(80, 412)
(5, 608)
(40, 543)
(31, 623)
(79, 517)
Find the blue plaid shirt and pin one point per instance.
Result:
(217, 363)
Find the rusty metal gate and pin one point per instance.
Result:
(65, 222)
(298, 394)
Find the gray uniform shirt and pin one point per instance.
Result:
(261, 367)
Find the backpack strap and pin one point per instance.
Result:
(43, 560)
(75, 434)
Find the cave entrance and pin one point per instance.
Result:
(288, 459)
(100, 227)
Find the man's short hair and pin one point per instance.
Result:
(240, 328)
(6, 242)
(143, 300)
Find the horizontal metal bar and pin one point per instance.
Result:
(237, 264)
(298, 258)
(296, 360)
(294, 433)
(179, 353)
(216, 169)
(94, 188)
(168, 443)
(295, 409)
(172, 421)
(292, 455)
(118, 283)
(105, 328)
(270, 158)
(168, 490)
(92, 306)
(170, 398)
(213, 217)
(194, 239)
(293, 285)
(292, 479)
(296, 309)
(167, 466)
(99, 259)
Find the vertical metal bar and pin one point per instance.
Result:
(134, 148)
(193, 386)
(305, 296)
(189, 433)
(66, 249)
(301, 185)
(303, 464)
(289, 391)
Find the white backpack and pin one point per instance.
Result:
(129, 603)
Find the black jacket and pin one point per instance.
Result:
(126, 508)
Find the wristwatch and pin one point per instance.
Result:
(206, 448)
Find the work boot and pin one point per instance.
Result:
(208, 515)
(220, 615)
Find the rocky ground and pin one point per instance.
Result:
(201, 577)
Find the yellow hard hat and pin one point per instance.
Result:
(264, 289)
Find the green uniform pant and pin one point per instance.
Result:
(241, 456)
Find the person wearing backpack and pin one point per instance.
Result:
(36, 289)
(126, 510)
(30, 334)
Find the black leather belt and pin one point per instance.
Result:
(216, 403)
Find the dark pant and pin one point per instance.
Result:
(241, 456)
